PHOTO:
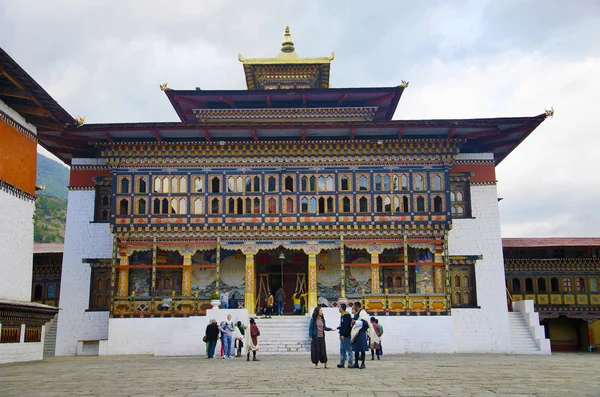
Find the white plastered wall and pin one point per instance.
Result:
(485, 329)
(83, 239)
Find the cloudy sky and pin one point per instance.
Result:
(463, 59)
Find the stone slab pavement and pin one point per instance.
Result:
(565, 374)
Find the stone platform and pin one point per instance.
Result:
(400, 375)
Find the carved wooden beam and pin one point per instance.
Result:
(156, 136)
(206, 134)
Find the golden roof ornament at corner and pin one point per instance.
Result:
(404, 84)
(163, 87)
(550, 112)
(287, 45)
(80, 121)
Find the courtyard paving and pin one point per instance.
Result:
(401, 375)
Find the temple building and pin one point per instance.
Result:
(561, 276)
(25, 108)
(288, 182)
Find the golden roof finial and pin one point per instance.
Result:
(288, 44)
(80, 121)
(549, 112)
(163, 87)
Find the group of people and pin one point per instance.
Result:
(358, 334)
(279, 300)
(232, 337)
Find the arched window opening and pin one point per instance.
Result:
(248, 184)
(272, 184)
(99, 284)
(554, 284)
(437, 204)
(567, 284)
(248, 206)
(240, 206)
(404, 204)
(257, 184)
(304, 184)
(304, 205)
(214, 206)
(142, 186)
(104, 215)
(321, 183)
(420, 204)
(387, 204)
(313, 205)
(528, 285)
(516, 285)
(457, 281)
(256, 208)
(215, 185)
(330, 204)
(580, 284)
(418, 182)
(107, 301)
(198, 206)
(312, 184)
(593, 285)
(99, 300)
(199, 185)
(157, 185)
(156, 209)
(321, 205)
(239, 184)
(345, 204)
(105, 200)
(457, 299)
(395, 183)
(363, 205)
(345, 184)
(437, 182)
(386, 183)
(174, 206)
(378, 204)
(541, 284)
(289, 184)
(174, 185)
(466, 281)
(362, 183)
(230, 184)
(329, 184)
(272, 206)
(461, 211)
(467, 299)
(378, 182)
(183, 206)
(165, 185)
(124, 185)
(397, 204)
(37, 294)
(182, 185)
(141, 207)
(123, 207)
(404, 182)
(231, 206)
(289, 206)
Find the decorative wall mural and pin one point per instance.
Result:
(233, 271)
(328, 275)
(201, 278)
(358, 278)
(139, 281)
(424, 279)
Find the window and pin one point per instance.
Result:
(198, 185)
(362, 183)
(321, 205)
(174, 185)
(256, 208)
(554, 284)
(214, 205)
(397, 204)
(257, 184)
(103, 200)
(404, 204)
(141, 207)
(387, 204)
(182, 185)
(248, 206)
(330, 205)
(272, 206)
(174, 206)
(231, 206)
(157, 185)
(457, 281)
(240, 206)
(289, 206)
(142, 186)
(541, 284)
(566, 284)
(183, 206)
(378, 182)
(289, 184)
(156, 209)
(123, 207)
(459, 201)
(345, 204)
(437, 204)
(239, 184)
(198, 206)
(386, 183)
(404, 182)
(437, 182)
(38, 292)
(321, 183)
(396, 185)
(345, 184)
(516, 285)
(272, 184)
(329, 184)
(165, 185)
(457, 299)
(124, 186)
(420, 204)
(363, 205)
(580, 284)
(100, 290)
(593, 285)
(164, 207)
(304, 203)
(419, 182)
(230, 184)
(313, 205)
(378, 204)
(304, 184)
(248, 184)
(215, 185)
(528, 285)
(313, 184)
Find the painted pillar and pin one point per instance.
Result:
(218, 276)
(438, 260)
(249, 250)
(123, 273)
(154, 255)
(375, 287)
(406, 283)
(342, 269)
(446, 260)
(113, 275)
(312, 249)
(186, 280)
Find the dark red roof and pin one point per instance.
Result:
(551, 242)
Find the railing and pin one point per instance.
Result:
(33, 333)
(400, 304)
(10, 334)
(173, 306)
(556, 298)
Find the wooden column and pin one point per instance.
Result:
(312, 249)
(123, 273)
(113, 275)
(218, 276)
(342, 269)
(446, 260)
(154, 253)
(249, 250)
(438, 286)
(186, 279)
(375, 287)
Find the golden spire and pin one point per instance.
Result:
(288, 44)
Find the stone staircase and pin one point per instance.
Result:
(521, 340)
(283, 335)
(50, 338)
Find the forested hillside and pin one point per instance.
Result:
(51, 205)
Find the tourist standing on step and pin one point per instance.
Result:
(252, 340)
(316, 335)
(345, 340)
(280, 300)
(227, 332)
(225, 299)
(212, 336)
(269, 305)
(360, 325)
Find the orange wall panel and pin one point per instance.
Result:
(18, 158)
(483, 172)
(83, 178)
